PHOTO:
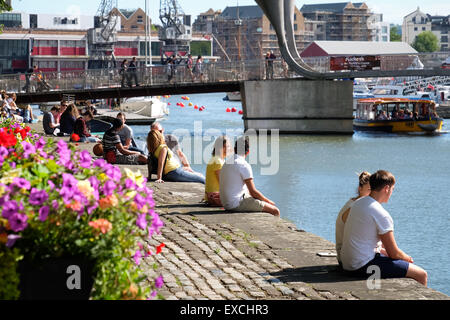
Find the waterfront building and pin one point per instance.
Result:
(327, 56)
(343, 21)
(245, 33)
(417, 22)
(381, 30)
(59, 42)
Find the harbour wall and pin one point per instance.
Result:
(298, 106)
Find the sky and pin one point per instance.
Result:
(392, 10)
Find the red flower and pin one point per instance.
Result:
(159, 248)
(7, 139)
(23, 134)
(75, 137)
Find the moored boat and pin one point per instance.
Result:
(397, 115)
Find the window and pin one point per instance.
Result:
(11, 20)
(140, 19)
(33, 21)
(295, 27)
(423, 28)
(415, 28)
(295, 17)
(444, 39)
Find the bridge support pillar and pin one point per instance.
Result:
(298, 106)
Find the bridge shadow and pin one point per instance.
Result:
(315, 274)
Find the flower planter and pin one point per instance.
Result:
(56, 279)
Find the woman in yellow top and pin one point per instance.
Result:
(172, 170)
(221, 149)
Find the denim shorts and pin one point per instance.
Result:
(389, 268)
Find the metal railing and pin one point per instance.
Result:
(146, 76)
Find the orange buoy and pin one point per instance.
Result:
(196, 107)
(228, 110)
(190, 104)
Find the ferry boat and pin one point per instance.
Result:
(397, 115)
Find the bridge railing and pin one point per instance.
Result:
(155, 75)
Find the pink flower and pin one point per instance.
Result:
(137, 257)
(43, 213)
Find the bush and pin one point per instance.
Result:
(59, 202)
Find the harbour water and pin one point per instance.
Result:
(318, 174)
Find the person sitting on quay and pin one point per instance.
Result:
(221, 149)
(236, 181)
(113, 150)
(368, 223)
(68, 119)
(51, 126)
(168, 168)
(363, 191)
(81, 129)
(126, 135)
(174, 145)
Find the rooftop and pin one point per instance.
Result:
(361, 48)
(245, 12)
(329, 7)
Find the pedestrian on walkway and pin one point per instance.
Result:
(189, 67)
(132, 73)
(237, 189)
(198, 68)
(124, 73)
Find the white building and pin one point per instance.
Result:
(414, 24)
(381, 31)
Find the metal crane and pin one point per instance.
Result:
(102, 37)
(176, 28)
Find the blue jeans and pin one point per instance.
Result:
(180, 175)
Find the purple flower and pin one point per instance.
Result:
(51, 184)
(129, 184)
(140, 201)
(28, 149)
(91, 209)
(43, 213)
(152, 295)
(137, 257)
(70, 182)
(12, 165)
(10, 208)
(159, 282)
(3, 152)
(157, 223)
(22, 183)
(12, 238)
(55, 204)
(113, 173)
(62, 144)
(100, 163)
(109, 188)
(38, 197)
(85, 159)
(18, 222)
(141, 221)
(40, 144)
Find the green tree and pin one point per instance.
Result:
(395, 37)
(426, 42)
(4, 7)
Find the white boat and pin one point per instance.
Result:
(233, 96)
(398, 91)
(150, 107)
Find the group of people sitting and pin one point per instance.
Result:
(365, 241)
(229, 177)
(65, 120)
(10, 110)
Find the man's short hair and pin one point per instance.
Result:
(380, 179)
(55, 108)
(242, 146)
(89, 114)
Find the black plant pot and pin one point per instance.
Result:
(56, 279)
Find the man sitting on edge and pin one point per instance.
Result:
(237, 189)
(368, 223)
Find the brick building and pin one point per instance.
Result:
(343, 21)
(245, 33)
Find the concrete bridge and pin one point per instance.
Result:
(292, 104)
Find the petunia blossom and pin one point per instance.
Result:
(137, 257)
(12, 238)
(22, 183)
(85, 159)
(18, 222)
(43, 213)
(38, 197)
(141, 221)
(9, 208)
(28, 149)
(159, 282)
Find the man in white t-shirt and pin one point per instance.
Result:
(237, 189)
(368, 223)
